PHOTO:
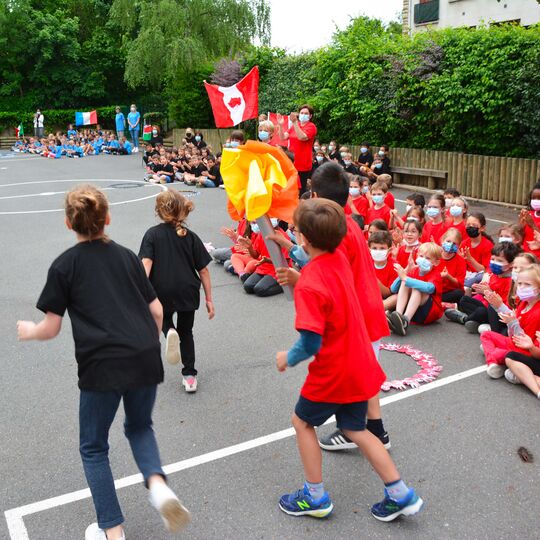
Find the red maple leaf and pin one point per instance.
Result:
(235, 102)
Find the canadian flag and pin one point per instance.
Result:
(234, 104)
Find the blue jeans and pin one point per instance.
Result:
(134, 136)
(208, 183)
(96, 414)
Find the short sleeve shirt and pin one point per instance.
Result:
(345, 369)
(303, 150)
(177, 261)
(133, 117)
(104, 288)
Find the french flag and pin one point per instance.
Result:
(85, 118)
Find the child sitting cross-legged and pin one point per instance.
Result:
(344, 373)
(453, 268)
(419, 290)
(379, 246)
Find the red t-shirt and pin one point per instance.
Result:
(345, 370)
(381, 213)
(388, 274)
(433, 276)
(403, 256)
(529, 322)
(499, 284)
(529, 235)
(266, 268)
(390, 201)
(481, 253)
(302, 150)
(362, 205)
(460, 227)
(457, 268)
(433, 229)
(355, 248)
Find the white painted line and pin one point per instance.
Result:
(487, 219)
(45, 194)
(14, 517)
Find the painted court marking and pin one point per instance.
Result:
(74, 181)
(15, 516)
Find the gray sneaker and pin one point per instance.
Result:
(336, 441)
(510, 377)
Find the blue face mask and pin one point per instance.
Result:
(381, 153)
(423, 264)
(235, 144)
(365, 189)
(456, 211)
(363, 149)
(299, 256)
(291, 236)
(354, 191)
(319, 159)
(264, 135)
(198, 138)
(255, 228)
(303, 118)
(227, 145)
(378, 199)
(449, 247)
(496, 268)
(378, 165)
(433, 212)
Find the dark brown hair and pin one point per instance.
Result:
(173, 208)
(86, 210)
(322, 222)
(380, 237)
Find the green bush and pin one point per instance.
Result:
(155, 118)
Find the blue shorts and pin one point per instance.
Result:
(422, 312)
(351, 416)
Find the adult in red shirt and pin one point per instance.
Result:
(300, 136)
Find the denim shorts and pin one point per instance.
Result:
(351, 416)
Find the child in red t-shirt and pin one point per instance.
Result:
(378, 209)
(453, 268)
(457, 215)
(473, 310)
(379, 246)
(389, 200)
(412, 230)
(344, 373)
(419, 291)
(476, 248)
(357, 203)
(530, 219)
(435, 225)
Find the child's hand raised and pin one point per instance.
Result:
(231, 233)
(523, 341)
(244, 242)
(401, 272)
(281, 361)
(508, 317)
(494, 299)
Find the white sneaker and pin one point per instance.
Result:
(173, 512)
(190, 384)
(172, 347)
(484, 328)
(93, 532)
(510, 377)
(495, 371)
(135, 150)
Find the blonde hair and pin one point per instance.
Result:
(386, 178)
(454, 233)
(86, 211)
(380, 186)
(535, 270)
(267, 126)
(432, 249)
(173, 209)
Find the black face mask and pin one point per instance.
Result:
(472, 232)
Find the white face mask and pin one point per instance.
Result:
(413, 243)
(448, 203)
(379, 255)
(408, 207)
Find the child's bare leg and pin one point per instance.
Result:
(390, 302)
(375, 453)
(116, 533)
(416, 300)
(310, 452)
(525, 375)
(402, 298)
(374, 408)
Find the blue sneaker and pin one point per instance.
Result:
(389, 509)
(300, 503)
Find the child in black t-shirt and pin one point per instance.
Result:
(175, 260)
(211, 177)
(197, 167)
(115, 317)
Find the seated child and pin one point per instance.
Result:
(513, 232)
(379, 246)
(223, 255)
(476, 249)
(449, 195)
(357, 203)
(419, 291)
(530, 219)
(473, 310)
(210, 177)
(378, 225)
(344, 373)
(435, 225)
(453, 268)
(389, 200)
(412, 230)
(457, 215)
(378, 209)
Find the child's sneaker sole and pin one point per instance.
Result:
(495, 371)
(172, 347)
(322, 513)
(410, 510)
(175, 514)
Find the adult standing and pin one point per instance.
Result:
(39, 123)
(134, 123)
(300, 136)
(120, 121)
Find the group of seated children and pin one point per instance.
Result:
(74, 144)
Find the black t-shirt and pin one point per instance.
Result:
(353, 169)
(198, 169)
(214, 171)
(176, 263)
(105, 290)
(366, 159)
(166, 168)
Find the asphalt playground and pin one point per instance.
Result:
(229, 449)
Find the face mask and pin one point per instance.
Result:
(515, 275)
(378, 199)
(472, 232)
(319, 159)
(303, 118)
(291, 235)
(496, 268)
(255, 228)
(449, 247)
(154, 132)
(299, 255)
(198, 138)
(227, 145)
(331, 148)
(342, 154)
(423, 264)
(264, 135)
(316, 148)
(505, 239)
(354, 191)
(378, 165)
(381, 152)
(414, 218)
(448, 203)
(456, 211)
(235, 144)
(408, 207)
(526, 293)
(379, 255)
(363, 149)
(365, 189)
(535, 204)
(347, 163)
(433, 212)
(274, 221)
(411, 244)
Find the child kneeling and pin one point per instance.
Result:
(344, 374)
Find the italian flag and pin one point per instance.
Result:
(85, 118)
(19, 131)
(147, 133)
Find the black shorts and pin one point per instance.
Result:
(532, 363)
(351, 416)
(422, 312)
